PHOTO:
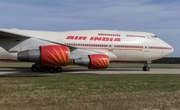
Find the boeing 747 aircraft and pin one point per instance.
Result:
(91, 48)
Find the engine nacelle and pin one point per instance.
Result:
(95, 61)
(51, 55)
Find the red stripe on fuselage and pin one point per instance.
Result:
(116, 47)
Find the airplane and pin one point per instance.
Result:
(94, 49)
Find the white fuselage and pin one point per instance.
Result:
(118, 45)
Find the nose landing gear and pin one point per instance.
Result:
(146, 67)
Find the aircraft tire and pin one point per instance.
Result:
(58, 69)
(146, 68)
(34, 69)
(51, 69)
(41, 69)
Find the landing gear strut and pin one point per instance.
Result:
(146, 67)
(36, 68)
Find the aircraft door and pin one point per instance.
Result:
(146, 47)
(123, 35)
(111, 46)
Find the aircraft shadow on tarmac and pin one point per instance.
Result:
(73, 70)
(5, 72)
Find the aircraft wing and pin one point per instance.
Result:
(7, 34)
(16, 41)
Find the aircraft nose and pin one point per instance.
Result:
(172, 50)
(168, 50)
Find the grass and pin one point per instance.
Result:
(90, 92)
(111, 65)
(15, 65)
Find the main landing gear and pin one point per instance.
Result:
(146, 67)
(36, 68)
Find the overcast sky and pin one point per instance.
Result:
(161, 17)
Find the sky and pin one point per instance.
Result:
(161, 17)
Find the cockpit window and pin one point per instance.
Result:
(154, 36)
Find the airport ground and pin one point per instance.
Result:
(111, 65)
(91, 91)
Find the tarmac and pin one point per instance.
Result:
(4, 72)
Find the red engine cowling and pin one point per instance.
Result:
(54, 55)
(50, 55)
(99, 61)
(95, 61)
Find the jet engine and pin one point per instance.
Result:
(51, 55)
(95, 61)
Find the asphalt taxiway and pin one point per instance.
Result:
(4, 72)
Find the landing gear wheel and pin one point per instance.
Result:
(58, 69)
(51, 69)
(146, 68)
(34, 68)
(42, 69)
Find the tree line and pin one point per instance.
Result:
(168, 60)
